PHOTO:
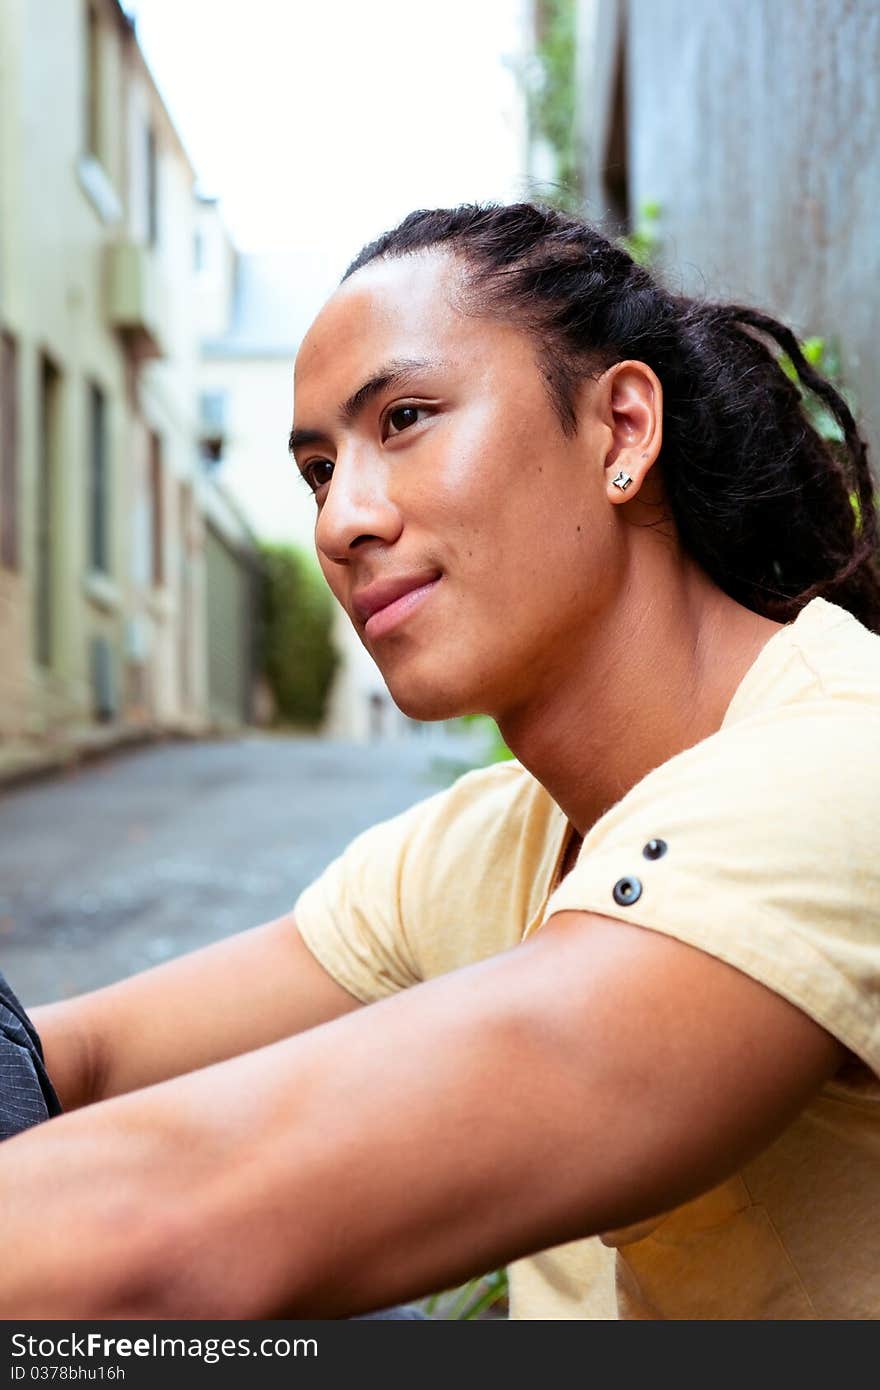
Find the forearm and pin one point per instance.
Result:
(506, 1108)
(77, 1231)
(204, 1007)
(139, 1206)
(269, 1184)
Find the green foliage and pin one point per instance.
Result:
(300, 657)
(550, 86)
(643, 242)
(825, 357)
(471, 1300)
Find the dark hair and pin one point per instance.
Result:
(774, 513)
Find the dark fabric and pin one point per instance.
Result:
(27, 1096)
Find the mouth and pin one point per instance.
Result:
(387, 603)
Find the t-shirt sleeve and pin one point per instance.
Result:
(759, 846)
(350, 917)
(457, 878)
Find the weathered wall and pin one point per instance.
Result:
(755, 124)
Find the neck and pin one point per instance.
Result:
(656, 678)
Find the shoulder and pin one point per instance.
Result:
(825, 653)
(841, 651)
(768, 832)
(792, 791)
(797, 753)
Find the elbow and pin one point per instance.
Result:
(151, 1263)
(103, 1263)
(133, 1276)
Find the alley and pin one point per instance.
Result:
(138, 858)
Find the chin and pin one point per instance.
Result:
(430, 700)
(428, 706)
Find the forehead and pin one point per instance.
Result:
(405, 307)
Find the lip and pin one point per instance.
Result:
(382, 605)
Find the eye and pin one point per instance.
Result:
(401, 418)
(317, 473)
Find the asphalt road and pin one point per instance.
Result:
(140, 857)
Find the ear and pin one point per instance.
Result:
(633, 408)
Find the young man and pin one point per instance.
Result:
(619, 993)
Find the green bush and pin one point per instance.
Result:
(643, 242)
(300, 657)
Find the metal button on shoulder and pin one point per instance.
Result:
(655, 849)
(627, 891)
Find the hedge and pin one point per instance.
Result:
(299, 654)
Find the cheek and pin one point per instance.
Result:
(485, 490)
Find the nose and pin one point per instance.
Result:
(356, 509)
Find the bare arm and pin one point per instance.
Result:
(225, 999)
(593, 1077)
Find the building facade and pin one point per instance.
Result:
(103, 604)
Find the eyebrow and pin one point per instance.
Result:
(391, 374)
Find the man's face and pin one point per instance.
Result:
(465, 535)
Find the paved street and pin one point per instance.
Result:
(137, 858)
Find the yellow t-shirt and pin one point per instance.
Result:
(773, 865)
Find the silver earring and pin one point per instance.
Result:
(622, 481)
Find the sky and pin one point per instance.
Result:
(320, 123)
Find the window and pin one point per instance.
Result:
(99, 510)
(8, 453)
(93, 111)
(213, 415)
(44, 563)
(93, 168)
(157, 514)
(185, 625)
(152, 188)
